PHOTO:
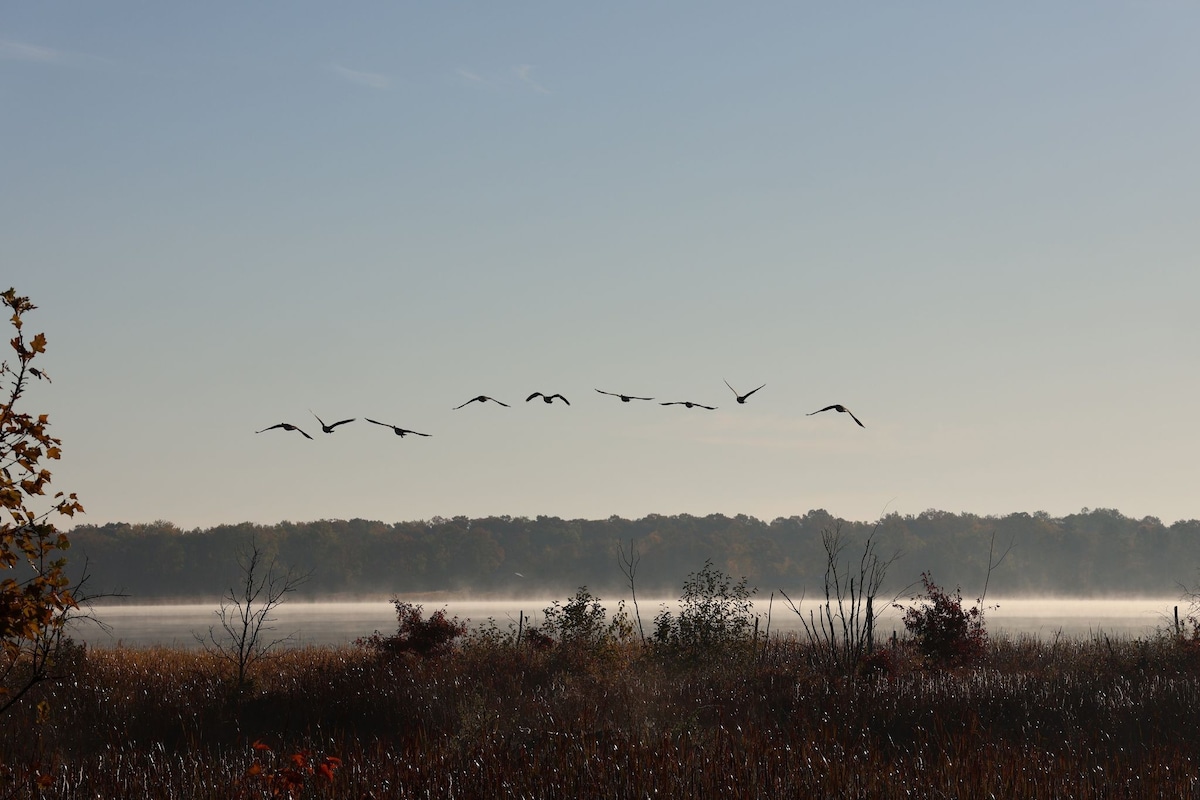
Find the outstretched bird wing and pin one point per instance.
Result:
(560, 397)
(287, 426)
(535, 394)
(752, 391)
(329, 428)
(841, 408)
(625, 398)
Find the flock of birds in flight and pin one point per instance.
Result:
(546, 398)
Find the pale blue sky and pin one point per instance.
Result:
(976, 226)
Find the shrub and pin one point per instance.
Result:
(945, 633)
(422, 637)
(582, 622)
(580, 635)
(715, 616)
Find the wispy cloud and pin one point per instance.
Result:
(525, 73)
(468, 75)
(372, 79)
(23, 51)
(503, 80)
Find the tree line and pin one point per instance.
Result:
(1093, 552)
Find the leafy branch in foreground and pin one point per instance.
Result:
(35, 593)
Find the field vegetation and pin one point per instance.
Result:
(582, 706)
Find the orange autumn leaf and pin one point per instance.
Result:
(327, 766)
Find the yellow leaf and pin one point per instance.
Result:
(39, 343)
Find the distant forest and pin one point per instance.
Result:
(1094, 552)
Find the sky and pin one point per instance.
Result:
(974, 225)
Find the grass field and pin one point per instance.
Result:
(1066, 718)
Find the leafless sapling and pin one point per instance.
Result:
(247, 613)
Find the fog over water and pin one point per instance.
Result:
(331, 623)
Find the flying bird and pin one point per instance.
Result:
(689, 404)
(625, 398)
(547, 398)
(398, 430)
(483, 398)
(841, 408)
(287, 427)
(329, 428)
(741, 398)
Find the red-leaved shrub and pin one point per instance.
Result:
(417, 635)
(946, 634)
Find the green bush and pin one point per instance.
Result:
(582, 622)
(715, 617)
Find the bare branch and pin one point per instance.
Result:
(993, 563)
(247, 612)
(628, 565)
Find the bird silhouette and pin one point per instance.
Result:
(741, 398)
(398, 430)
(841, 408)
(625, 398)
(547, 398)
(689, 404)
(329, 428)
(287, 427)
(483, 398)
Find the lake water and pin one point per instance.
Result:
(342, 622)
